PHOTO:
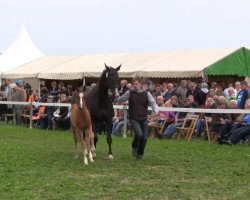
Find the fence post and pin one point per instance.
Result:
(125, 118)
(31, 114)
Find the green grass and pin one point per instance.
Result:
(40, 164)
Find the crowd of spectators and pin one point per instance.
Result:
(49, 117)
(188, 94)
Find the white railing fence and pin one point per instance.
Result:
(125, 110)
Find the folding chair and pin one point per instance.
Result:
(188, 127)
(159, 127)
(211, 135)
(36, 117)
(9, 117)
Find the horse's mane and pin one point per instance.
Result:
(101, 81)
(98, 94)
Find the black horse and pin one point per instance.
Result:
(100, 102)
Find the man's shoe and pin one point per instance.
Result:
(134, 152)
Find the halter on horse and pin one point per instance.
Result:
(99, 102)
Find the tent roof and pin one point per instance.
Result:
(88, 66)
(172, 64)
(33, 69)
(236, 63)
(22, 50)
(186, 63)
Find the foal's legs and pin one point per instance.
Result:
(90, 144)
(83, 144)
(91, 141)
(76, 139)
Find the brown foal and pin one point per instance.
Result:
(80, 122)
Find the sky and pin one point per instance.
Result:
(73, 27)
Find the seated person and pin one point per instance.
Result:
(163, 118)
(160, 117)
(172, 102)
(221, 121)
(66, 121)
(234, 116)
(179, 119)
(210, 104)
(118, 123)
(231, 96)
(170, 130)
(58, 120)
(35, 108)
(45, 121)
(240, 129)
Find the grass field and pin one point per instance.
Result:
(36, 164)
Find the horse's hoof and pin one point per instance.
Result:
(94, 155)
(111, 157)
(85, 161)
(91, 157)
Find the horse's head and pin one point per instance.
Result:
(81, 102)
(112, 78)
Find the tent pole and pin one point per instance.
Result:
(204, 76)
(83, 81)
(39, 87)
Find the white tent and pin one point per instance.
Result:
(22, 50)
(171, 64)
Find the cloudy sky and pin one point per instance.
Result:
(70, 27)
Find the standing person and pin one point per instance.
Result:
(196, 92)
(9, 92)
(171, 92)
(242, 95)
(204, 93)
(19, 96)
(3, 107)
(3, 92)
(181, 93)
(237, 87)
(54, 91)
(218, 92)
(157, 91)
(139, 100)
(123, 87)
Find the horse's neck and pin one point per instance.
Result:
(102, 84)
(102, 99)
(102, 89)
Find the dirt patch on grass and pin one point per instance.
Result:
(126, 181)
(96, 175)
(154, 168)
